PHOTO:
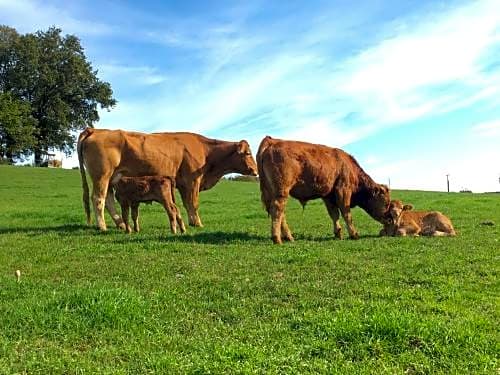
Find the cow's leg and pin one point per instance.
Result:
(110, 206)
(286, 234)
(135, 217)
(333, 211)
(343, 202)
(265, 197)
(180, 222)
(190, 199)
(277, 209)
(99, 191)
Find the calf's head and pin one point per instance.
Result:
(394, 211)
(242, 160)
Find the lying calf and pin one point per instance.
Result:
(130, 191)
(401, 221)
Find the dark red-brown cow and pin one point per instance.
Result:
(308, 171)
(131, 191)
(197, 163)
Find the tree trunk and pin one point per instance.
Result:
(38, 158)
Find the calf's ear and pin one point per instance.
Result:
(407, 207)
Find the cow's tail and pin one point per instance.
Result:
(86, 201)
(264, 186)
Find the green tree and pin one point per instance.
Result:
(17, 128)
(51, 73)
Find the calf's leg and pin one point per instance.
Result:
(171, 213)
(135, 217)
(125, 212)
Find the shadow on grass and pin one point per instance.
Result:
(61, 229)
(308, 237)
(213, 238)
(217, 238)
(191, 236)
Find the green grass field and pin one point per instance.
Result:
(224, 299)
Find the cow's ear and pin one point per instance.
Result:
(243, 147)
(407, 207)
(381, 190)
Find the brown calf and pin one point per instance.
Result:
(130, 191)
(308, 171)
(402, 221)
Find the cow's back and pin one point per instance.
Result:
(306, 170)
(138, 154)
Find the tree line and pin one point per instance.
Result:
(48, 90)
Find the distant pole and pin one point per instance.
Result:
(390, 182)
(448, 182)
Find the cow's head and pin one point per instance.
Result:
(242, 160)
(394, 211)
(378, 202)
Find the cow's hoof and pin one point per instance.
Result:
(355, 236)
(288, 238)
(277, 240)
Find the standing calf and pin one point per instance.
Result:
(402, 221)
(130, 191)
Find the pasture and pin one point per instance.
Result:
(224, 299)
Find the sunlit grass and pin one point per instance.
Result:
(224, 299)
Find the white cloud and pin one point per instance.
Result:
(398, 79)
(487, 129)
(33, 15)
(137, 75)
(324, 131)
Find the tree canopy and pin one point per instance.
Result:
(49, 74)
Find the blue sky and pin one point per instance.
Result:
(410, 88)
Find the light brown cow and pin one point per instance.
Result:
(402, 221)
(308, 171)
(131, 191)
(197, 163)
